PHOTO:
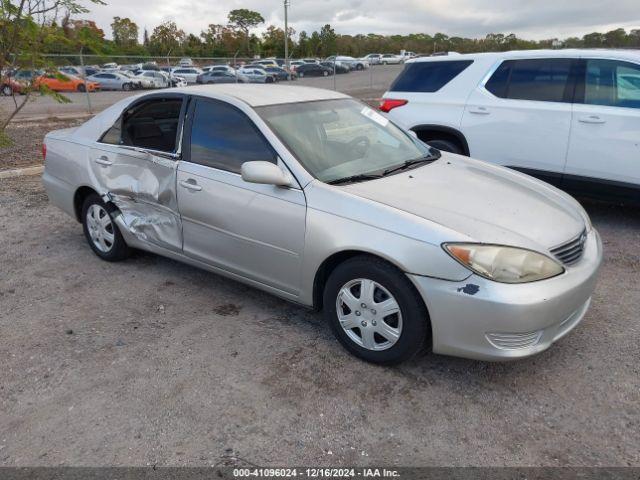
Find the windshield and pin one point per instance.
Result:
(335, 139)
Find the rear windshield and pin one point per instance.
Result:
(428, 76)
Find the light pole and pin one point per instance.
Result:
(287, 3)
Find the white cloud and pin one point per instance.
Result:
(470, 18)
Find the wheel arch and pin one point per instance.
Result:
(428, 132)
(331, 263)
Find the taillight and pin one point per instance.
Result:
(388, 104)
(44, 151)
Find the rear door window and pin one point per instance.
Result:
(612, 83)
(428, 76)
(543, 80)
(151, 124)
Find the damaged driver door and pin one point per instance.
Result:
(134, 164)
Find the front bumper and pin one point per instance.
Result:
(486, 320)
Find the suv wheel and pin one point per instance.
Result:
(7, 91)
(374, 311)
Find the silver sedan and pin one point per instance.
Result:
(317, 198)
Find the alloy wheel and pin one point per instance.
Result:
(100, 228)
(369, 314)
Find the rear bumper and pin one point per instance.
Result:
(486, 320)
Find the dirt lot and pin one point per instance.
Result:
(153, 362)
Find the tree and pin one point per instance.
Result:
(125, 32)
(25, 27)
(166, 39)
(244, 20)
(327, 41)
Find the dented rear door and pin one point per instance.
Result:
(142, 185)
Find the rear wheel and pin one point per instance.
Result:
(82, 88)
(374, 311)
(301, 74)
(359, 67)
(325, 74)
(7, 91)
(101, 232)
(126, 86)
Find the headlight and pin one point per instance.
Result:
(504, 264)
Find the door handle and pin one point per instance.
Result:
(479, 110)
(591, 119)
(190, 185)
(103, 160)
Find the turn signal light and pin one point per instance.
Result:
(388, 104)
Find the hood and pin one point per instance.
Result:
(486, 203)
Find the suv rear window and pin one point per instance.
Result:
(428, 76)
(543, 80)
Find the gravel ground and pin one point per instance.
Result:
(26, 141)
(151, 362)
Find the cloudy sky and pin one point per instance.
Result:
(535, 19)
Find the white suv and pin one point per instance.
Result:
(569, 117)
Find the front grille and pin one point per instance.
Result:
(514, 341)
(570, 252)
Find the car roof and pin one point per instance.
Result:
(257, 95)
(558, 53)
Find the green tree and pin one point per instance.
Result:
(167, 39)
(124, 32)
(25, 27)
(327, 41)
(244, 20)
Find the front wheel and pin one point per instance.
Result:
(126, 87)
(101, 232)
(325, 74)
(301, 74)
(7, 91)
(375, 312)
(82, 88)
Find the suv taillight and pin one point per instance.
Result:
(44, 151)
(388, 104)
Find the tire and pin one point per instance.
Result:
(411, 325)
(7, 91)
(126, 86)
(359, 67)
(112, 248)
(325, 74)
(385, 63)
(445, 145)
(301, 74)
(82, 88)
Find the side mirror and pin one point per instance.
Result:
(264, 172)
(413, 134)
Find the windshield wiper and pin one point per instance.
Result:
(354, 178)
(435, 155)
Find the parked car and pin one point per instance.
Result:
(113, 81)
(352, 63)
(280, 73)
(157, 78)
(136, 81)
(256, 75)
(267, 62)
(9, 86)
(339, 67)
(294, 64)
(185, 62)
(221, 76)
(391, 59)
(190, 74)
(569, 117)
(315, 197)
(313, 70)
(59, 82)
(109, 66)
(372, 58)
